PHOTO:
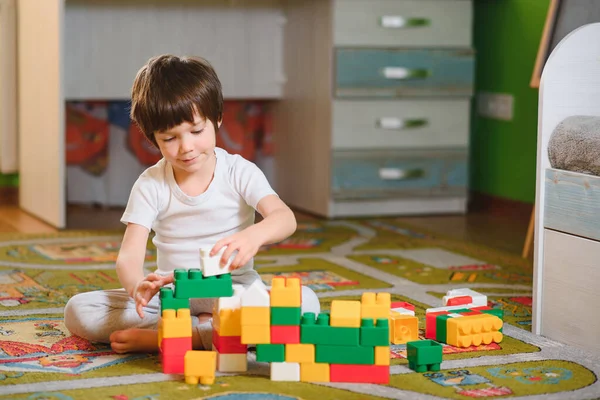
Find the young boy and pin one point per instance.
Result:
(196, 196)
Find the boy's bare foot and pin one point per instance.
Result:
(134, 340)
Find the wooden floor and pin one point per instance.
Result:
(505, 231)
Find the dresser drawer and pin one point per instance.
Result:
(381, 124)
(381, 174)
(374, 72)
(407, 23)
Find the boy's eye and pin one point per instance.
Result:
(199, 131)
(168, 139)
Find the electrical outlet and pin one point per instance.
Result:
(495, 105)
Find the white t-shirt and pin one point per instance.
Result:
(182, 224)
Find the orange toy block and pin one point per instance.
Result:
(300, 353)
(473, 330)
(346, 313)
(375, 306)
(228, 322)
(403, 328)
(200, 365)
(286, 292)
(175, 324)
(314, 372)
(382, 355)
(256, 315)
(256, 334)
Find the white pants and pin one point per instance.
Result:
(95, 315)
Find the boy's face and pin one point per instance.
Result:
(188, 147)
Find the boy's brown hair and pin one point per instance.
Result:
(168, 90)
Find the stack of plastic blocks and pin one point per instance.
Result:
(404, 325)
(231, 353)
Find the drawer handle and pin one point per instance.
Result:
(398, 174)
(393, 123)
(404, 73)
(398, 21)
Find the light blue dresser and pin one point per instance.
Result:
(375, 113)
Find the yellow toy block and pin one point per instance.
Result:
(286, 292)
(382, 355)
(175, 325)
(314, 372)
(473, 330)
(256, 315)
(375, 306)
(403, 328)
(200, 365)
(300, 353)
(228, 322)
(256, 334)
(345, 313)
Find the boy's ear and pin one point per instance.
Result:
(219, 122)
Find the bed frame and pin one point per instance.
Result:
(566, 287)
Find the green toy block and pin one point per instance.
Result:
(169, 302)
(270, 352)
(285, 315)
(441, 327)
(498, 312)
(192, 285)
(378, 335)
(319, 332)
(424, 355)
(333, 354)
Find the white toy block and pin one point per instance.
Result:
(211, 266)
(234, 302)
(285, 371)
(231, 362)
(452, 315)
(476, 298)
(404, 311)
(450, 308)
(256, 295)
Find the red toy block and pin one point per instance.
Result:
(359, 373)
(430, 328)
(481, 308)
(459, 300)
(472, 312)
(285, 334)
(175, 346)
(228, 344)
(403, 304)
(172, 364)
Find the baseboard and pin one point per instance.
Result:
(9, 196)
(482, 202)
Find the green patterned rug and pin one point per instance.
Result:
(39, 359)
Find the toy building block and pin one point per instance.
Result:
(256, 296)
(175, 346)
(345, 313)
(169, 302)
(192, 285)
(333, 354)
(284, 371)
(319, 332)
(174, 325)
(459, 300)
(286, 292)
(473, 330)
(402, 304)
(285, 334)
(430, 323)
(403, 311)
(478, 298)
(228, 344)
(424, 355)
(374, 335)
(300, 353)
(314, 372)
(234, 301)
(172, 365)
(375, 306)
(403, 328)
(232, 362)
(382, 355)
(227, 322)
(256, 334)
(360, 373)
(270, 352)
(200, 365)
(211, 266)
(256, 315)
(285, 315)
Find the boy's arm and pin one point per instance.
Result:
(130, 261)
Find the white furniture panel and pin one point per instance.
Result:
(108, 42)
(364, 124)
(406, 23)
(8, 87)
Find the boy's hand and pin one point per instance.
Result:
(147, 288)
(246, 242)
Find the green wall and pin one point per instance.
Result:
(507, 34)
(9, 180)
